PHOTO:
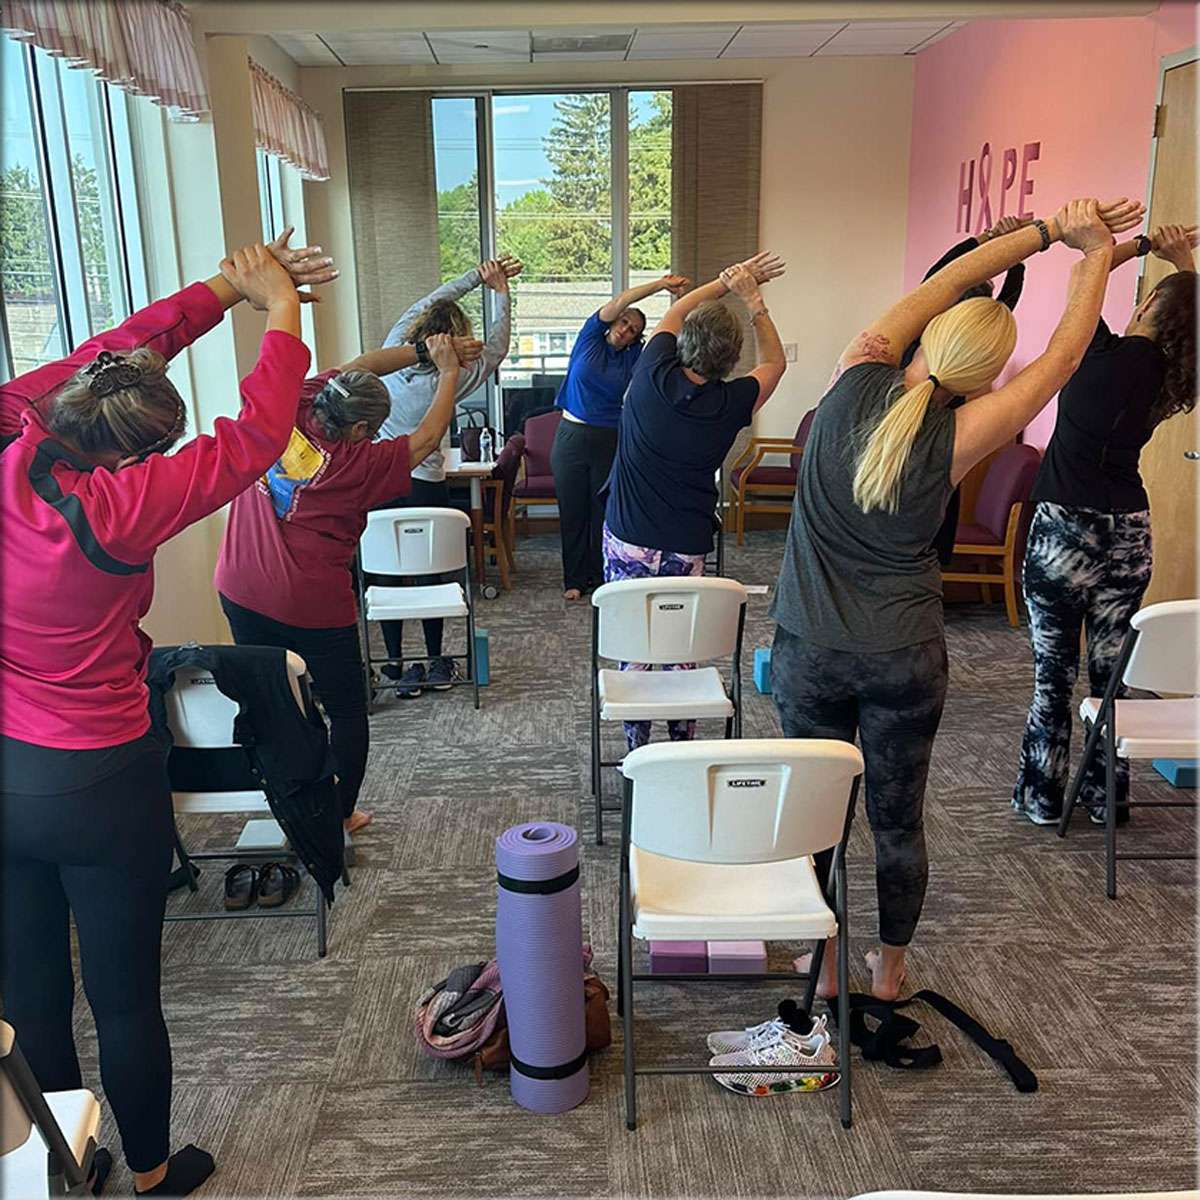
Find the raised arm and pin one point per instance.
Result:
(764, 267)
(395, 358)
(884, 341)
(428, 435)
(495, 275)
(1172, 243)
(771, 363)
(984, 424)
(675, 284)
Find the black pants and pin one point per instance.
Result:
(102, 852)
(581, 459)
(424, 494)
(894, 702)
(334, 661)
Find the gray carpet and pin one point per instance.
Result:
(303, 1079)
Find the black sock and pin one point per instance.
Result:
(101, 1166)
(187, 1169)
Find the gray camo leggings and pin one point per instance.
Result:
(893, 701)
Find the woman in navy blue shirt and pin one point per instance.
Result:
(680, 420)
(606, 350)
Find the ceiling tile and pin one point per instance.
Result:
(783, 40)
(305, 49)
(952, 27)
(379, 47)
(482, 46)
(680, 41)
(881, 37)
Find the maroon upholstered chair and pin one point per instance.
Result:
(750, 478)
(498, 506)
(1001, 521)
(537, 486)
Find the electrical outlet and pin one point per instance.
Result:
(789, 351)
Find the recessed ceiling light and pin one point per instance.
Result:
(591, 44)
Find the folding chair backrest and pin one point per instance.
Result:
(414, 541)
(755, 800)
(669, 619)
(16, 1124)
(201, 716)
(1166, 655)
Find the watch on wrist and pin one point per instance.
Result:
(1142, 245)
(759, 312)
(422, 352)
(1044, 230)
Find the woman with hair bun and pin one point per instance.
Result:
(860, 647)
(1089, 555)
(284, 571)
(85, 806)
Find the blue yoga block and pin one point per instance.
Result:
(482, 670)
(1178, 772)
(762, 669)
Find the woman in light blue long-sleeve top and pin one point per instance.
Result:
(412, 390)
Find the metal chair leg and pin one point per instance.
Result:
(322, 935)
(1110, 808)
(843, 973)
(814, 970)
(189, 870)
(626, 951)
(1072, 798)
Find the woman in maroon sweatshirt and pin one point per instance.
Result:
(85, 807)
(284, 570)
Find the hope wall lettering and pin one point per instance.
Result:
(1030, 153)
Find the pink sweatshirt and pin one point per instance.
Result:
(76, 557)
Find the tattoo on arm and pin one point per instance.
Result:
(867, 347)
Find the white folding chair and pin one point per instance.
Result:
(665, 620)
(717, 840)
(1161, 653)
(200, 717)
(47, 1142)
(415, 542)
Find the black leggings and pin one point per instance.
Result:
(894, 702)
(334, 660)
(581, 459)
(425, 494)
(102, 852)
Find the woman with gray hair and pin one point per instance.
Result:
(680, 419)
(284, 572)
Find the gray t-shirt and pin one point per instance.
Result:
(855, 581)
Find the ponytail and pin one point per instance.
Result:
(965, 347)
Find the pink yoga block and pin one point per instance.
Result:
(678, 958)
(737, 958)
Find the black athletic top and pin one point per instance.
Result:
(1103, 423)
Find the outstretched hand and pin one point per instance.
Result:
(256, 274)
(676, 285)
(468, 349)
(1009, 224)
(307, 265)
(442, 351)
(740, 280)
(511, 265)
(493, 275)
(1082, 227)
(1122, 214)
(1171, 242)
(764, 266)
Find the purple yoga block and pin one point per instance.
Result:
(678, 958)
(737, 958)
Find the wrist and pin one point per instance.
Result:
(1053, 229)
(283, 303)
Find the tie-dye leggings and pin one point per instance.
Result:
(623, 560)
(1084, 569)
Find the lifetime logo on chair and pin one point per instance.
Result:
(413, 529)
(747, 783)
(669, 607)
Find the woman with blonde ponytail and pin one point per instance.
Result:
(860, 648)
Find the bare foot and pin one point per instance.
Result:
(887, 972)
(827, 987)
(360, 818)
(572, 594)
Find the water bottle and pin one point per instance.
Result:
(485, 446)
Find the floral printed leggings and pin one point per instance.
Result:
(1083, 569)
(622, 560)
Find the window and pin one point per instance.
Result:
(70, 244)
(456, 165)
(270, 195)
(650, 195)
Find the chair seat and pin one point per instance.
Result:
(677, 900)
(23, 1172)
(970, 534)
(535, 487)
(663, 695)
(780, 476)
(219, 802)
(411, 603)
(1152, 728)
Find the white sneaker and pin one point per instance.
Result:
(783, 1052)
(734, 1041)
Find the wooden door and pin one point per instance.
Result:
(1171, 478)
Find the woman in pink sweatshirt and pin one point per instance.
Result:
(85, 807)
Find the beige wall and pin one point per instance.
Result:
(834, 184)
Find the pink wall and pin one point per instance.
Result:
(1083, 91)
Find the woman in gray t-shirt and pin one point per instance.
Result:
(860, 646)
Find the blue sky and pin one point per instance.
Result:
(521, 124)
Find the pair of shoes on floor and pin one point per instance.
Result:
(439, 677)
(268, 886)
(774, 1044)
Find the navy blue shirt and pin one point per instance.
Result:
(597, 375)
(675, 434)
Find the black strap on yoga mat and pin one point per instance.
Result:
(884, 1043)
(560, 1072)
(538, 887)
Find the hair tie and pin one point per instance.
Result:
(340, 389)
(110, 373)
(934, 379)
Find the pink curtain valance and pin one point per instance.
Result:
(285, 126)
(142, 46)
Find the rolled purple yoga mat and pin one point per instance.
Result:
(539, 939)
